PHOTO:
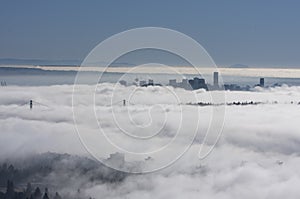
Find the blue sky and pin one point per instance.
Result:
(258, 33)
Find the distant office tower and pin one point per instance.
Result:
(143, 83)
(150, 82)
(216, 79)
(172, 82)
(184, 81)
(262, 82)
(185, 84)
(197, 83)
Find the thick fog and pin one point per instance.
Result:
(256, 156)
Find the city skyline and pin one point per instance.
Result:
(196, 83)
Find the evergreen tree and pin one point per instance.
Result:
(10, 190)
(37, 193)
(57, 196)
(28, 190)
(45, 196)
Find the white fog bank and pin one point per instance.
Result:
(257, 156)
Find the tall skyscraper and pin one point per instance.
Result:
(150, 82)
(216, 79)
(262, 82)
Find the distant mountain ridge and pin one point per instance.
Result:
(13, 61)
(238, 66)
(41, 62)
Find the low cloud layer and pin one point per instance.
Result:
(257, 155)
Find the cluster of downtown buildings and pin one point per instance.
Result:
(197, 83)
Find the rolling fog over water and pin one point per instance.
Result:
(258, 147)
(57, 145)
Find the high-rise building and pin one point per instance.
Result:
(216, 79)
(150, 82)
(185, 84)
(172, 82)
(143, 83)
(262, 82)
(198, 83)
